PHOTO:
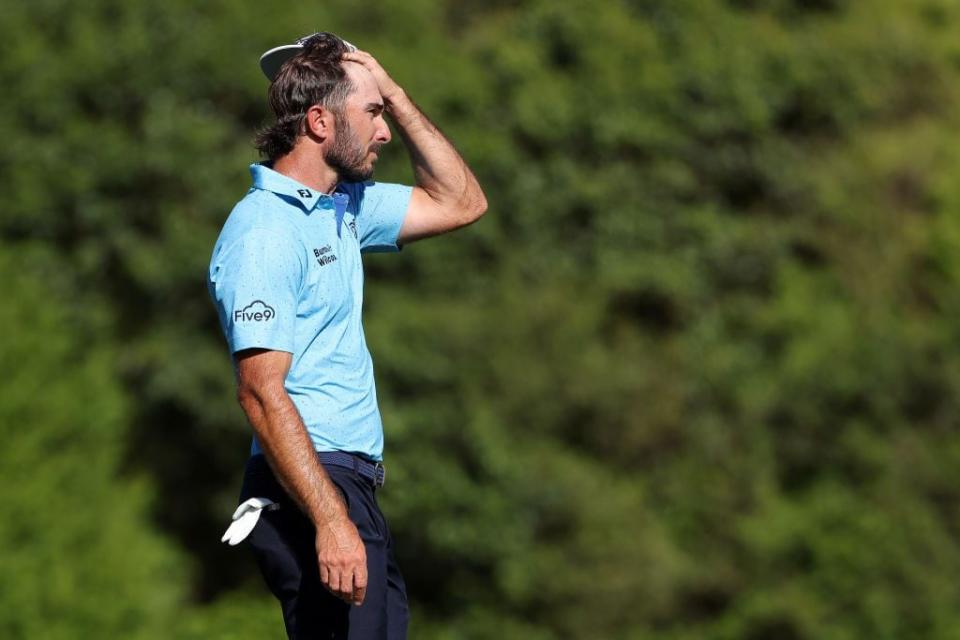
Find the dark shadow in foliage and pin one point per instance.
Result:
(190, 470)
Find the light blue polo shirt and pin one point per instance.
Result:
(286, 275)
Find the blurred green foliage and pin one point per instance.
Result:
(79, 557)
(695, 375)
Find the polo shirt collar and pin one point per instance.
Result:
(267, 179)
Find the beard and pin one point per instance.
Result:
(347, 156)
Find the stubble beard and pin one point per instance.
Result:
(347, 156)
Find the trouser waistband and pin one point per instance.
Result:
(372, 471)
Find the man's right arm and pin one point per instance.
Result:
(283, 438)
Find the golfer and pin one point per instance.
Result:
(287, 280)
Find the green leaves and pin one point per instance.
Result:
(693, 376)
(81, 557)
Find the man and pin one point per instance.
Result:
(287, 281)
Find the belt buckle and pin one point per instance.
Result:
(379, 474)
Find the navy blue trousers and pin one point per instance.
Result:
(284, 544)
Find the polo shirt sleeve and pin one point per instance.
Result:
(380, 212)
(255, 282)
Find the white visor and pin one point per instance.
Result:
(272, 60)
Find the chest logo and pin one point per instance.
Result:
(323, 255)
(256, 311)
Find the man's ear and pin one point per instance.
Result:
(318, 123)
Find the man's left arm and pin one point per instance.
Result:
(446, 195)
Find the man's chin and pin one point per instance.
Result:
(360, 174)
(364, 175)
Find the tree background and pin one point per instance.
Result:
(695, 375)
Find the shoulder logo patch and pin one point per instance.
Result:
(256, 311)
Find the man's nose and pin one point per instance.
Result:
(383, 131)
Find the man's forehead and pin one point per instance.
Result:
(364, 84)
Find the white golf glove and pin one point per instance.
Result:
(245, 519)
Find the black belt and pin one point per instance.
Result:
(372, 471)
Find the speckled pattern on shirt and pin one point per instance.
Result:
(286, 274)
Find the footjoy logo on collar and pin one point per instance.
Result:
(256, 311)
(304, 193)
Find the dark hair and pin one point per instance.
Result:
(313, 76)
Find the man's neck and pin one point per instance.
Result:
(308, 170)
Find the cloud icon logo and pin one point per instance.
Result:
(256, 311)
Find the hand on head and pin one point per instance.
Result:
(389, 89)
